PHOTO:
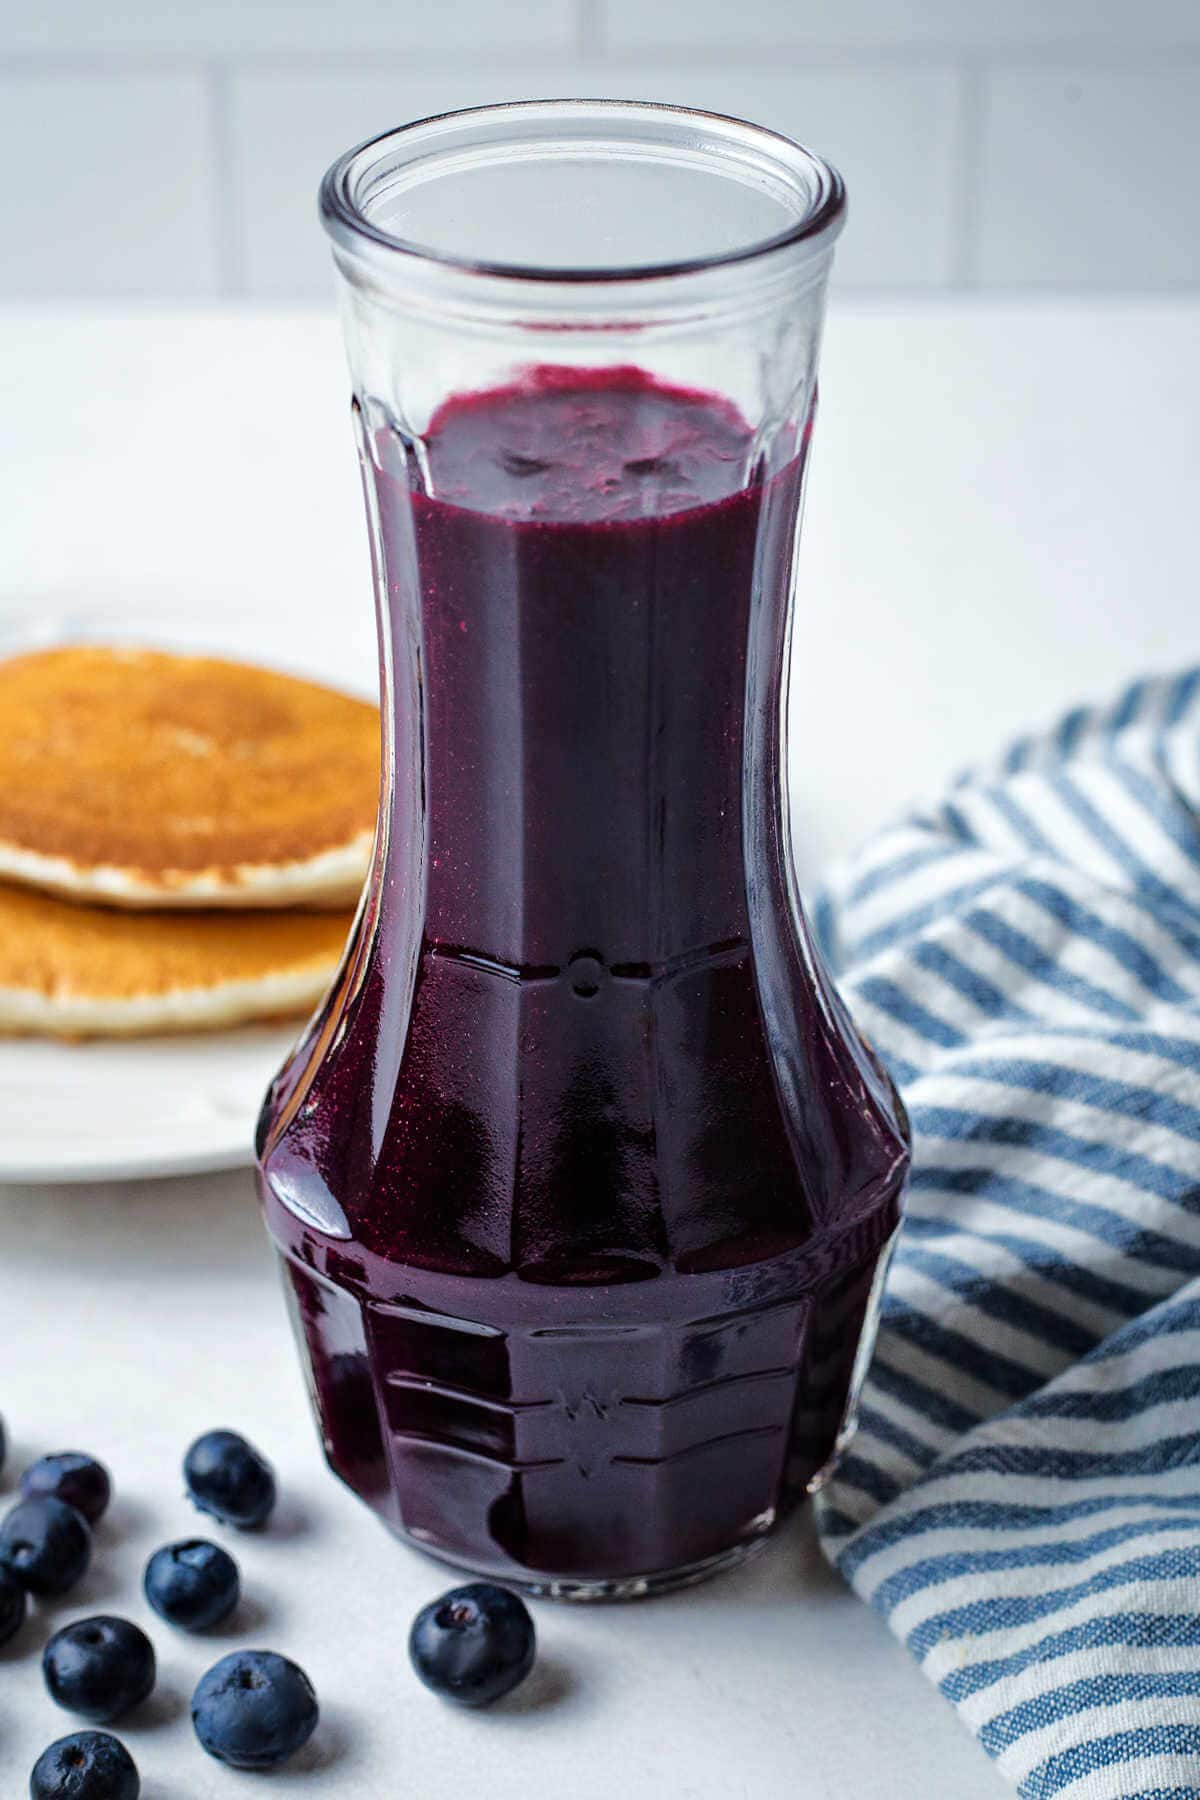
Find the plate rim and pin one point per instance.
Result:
(127, 1165)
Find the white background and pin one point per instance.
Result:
(173, 147)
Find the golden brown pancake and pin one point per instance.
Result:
(90, 971)
(140, 778)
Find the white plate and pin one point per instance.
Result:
(112, 1110)
(150, 1106)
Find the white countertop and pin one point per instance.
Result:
(1001, 520)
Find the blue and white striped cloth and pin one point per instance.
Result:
(1022, 1501)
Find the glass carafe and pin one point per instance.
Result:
(582, 1179)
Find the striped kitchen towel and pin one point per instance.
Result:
(1022, 1500)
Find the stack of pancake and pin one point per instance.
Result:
(182, 840)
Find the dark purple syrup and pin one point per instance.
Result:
(582, 1176)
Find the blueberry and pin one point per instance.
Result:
(46, 1544)
(474, 1644)
(71, 1476)
(254, 1709)
(89, 1765)
(228, 1478)
(192, 1584)
(12, 1605)
(99, 1667)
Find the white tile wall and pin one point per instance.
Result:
(287, 129)
(1091, 177)
(283, 27)
(110, 185)
(901, 24)
(892, 132)
(985, 142)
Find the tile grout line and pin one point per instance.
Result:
(966, 171)
(840, 53)
(589, 33)
(590, 39)
(231, 259)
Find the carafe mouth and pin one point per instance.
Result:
(582, 191)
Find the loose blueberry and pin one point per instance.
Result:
(193, 1584)
(71, 1476)
(254, 1709)
(228, 1478)
(99, 1667)
(474, 1644)
(12, 1605)
(46, 1544)
(89, 1765)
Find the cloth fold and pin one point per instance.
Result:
(1022, 1499)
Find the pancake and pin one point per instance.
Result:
(90, 971)
(137, 777)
